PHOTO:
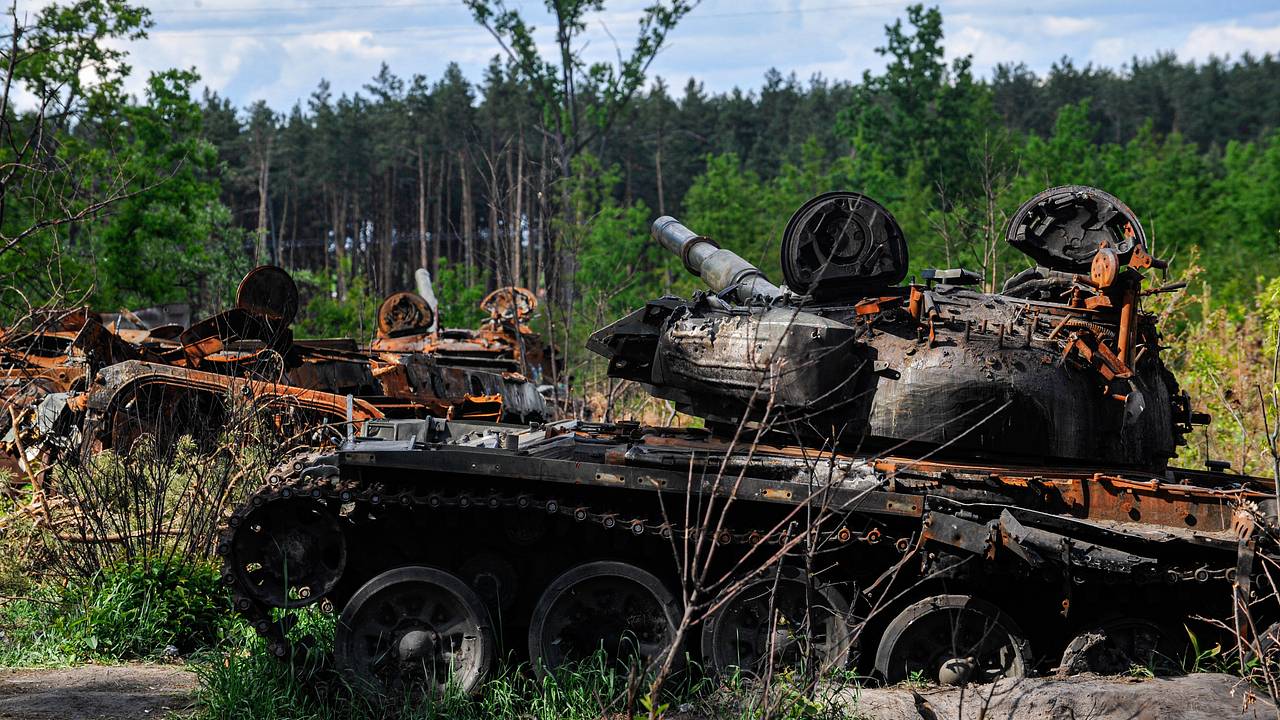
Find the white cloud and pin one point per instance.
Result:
(1062, 26)
(345, 44)
(1112, 51)
(987, 48)
(1231, 39)
(218, 59)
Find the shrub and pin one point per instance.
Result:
(137, 609)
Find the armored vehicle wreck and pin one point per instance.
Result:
(924, 479)
(85, 380)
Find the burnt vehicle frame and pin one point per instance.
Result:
(862, 444)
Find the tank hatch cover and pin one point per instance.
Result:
(842, 243)
(1063, 228)
(268, 292)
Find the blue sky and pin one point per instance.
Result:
(279, 49)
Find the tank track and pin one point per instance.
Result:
(315, 476)
(312, 476)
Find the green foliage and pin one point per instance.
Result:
(459, 302)
(170, 241)
(324, 315)
(1226, 361)
(920, 110)
(30, 633)
(135, 610)
(616, 260)
(125, 612)
(558, 81)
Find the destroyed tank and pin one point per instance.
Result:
(924, 481)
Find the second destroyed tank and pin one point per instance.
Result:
(922, 481)
(1062, 367)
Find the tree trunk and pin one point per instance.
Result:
(423, 173)
(293, 230)
(450, 248)
(515, 223)
(657, 164)
(565, 253)
(468, 221)
(340, 242)
(359, 242)
(437, 227)
(386, 249)
(538, 250)
(264, 178)
(277, 252)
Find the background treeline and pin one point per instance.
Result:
(458, 177)
(471, 179)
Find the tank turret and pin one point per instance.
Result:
(1062, 365)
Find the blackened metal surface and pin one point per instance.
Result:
(269, 292)
(405, 313)
(841, 245)
(1067, 372)
(1063, 227)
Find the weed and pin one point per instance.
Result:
(245, 681)
(138, 609)
(125, 612)
(1202, 659)
(30, 635)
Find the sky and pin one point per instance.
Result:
(278, 50)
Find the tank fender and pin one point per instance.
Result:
(1041, 547)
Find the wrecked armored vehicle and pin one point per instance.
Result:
(87, 381)
(917, 481)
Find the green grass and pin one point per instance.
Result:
(244, 682)
(132, 611)
(30, 631)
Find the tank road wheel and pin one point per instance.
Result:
(289, 553)
(1120, 645)
(613, 606)
(954, 640)
(799, 620)
(414, 629)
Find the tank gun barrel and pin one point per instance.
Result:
(720, 269)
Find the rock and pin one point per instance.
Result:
(1203, 696)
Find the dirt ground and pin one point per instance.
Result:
(1204, 696)
(96, 692)
(132, 692)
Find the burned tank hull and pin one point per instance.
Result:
(882, 467)
(88, 381)
(1046, 554)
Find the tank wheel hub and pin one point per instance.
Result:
(956, 671)
(611, 606)
(953, 639)
(289, 552)
(786, 618)
(417, 645)
(414, 628)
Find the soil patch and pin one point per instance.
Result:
(1203, 696)
(96, 692)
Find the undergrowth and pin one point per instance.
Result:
(138, 610)
(245, 681)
